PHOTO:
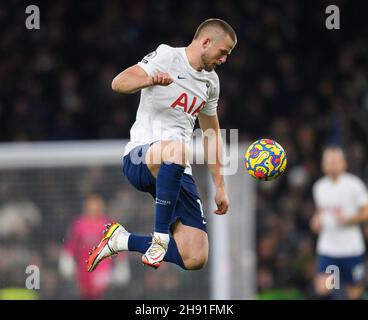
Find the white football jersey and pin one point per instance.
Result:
(170, 112)
(343, 197)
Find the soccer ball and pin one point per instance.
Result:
(265, 159)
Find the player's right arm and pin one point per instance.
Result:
(135, 78)
(316, 223)
(361, 217)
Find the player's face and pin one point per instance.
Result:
(333, 163)
(216, 52)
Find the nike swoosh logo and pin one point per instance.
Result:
(155, 259)
(181, 77)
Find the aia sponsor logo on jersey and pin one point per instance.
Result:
(193, 109)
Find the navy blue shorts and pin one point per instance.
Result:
(352, 269)
(188, 209)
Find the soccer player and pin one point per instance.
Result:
(177, 86)
(341, 205)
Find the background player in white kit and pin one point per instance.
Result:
(342, 204)
(177, 86)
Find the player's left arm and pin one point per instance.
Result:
(361, 217)
(213, 156)
(361, 199)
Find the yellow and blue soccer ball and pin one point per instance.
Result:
(265, 159)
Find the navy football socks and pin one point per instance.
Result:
(168, 183)
(141, 244)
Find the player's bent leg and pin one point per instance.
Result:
(192, 244)
(171, 156)
(188, 248)
(141, 243)
(168, 159)
(166, 151)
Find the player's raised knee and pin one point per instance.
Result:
(175, 152)
(196, 261)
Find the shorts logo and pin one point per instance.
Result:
(358, 272)
(163, 202)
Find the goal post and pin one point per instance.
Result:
(233, 252)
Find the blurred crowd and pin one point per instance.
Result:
(289, 78)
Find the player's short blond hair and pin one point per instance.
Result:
(215, 23)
